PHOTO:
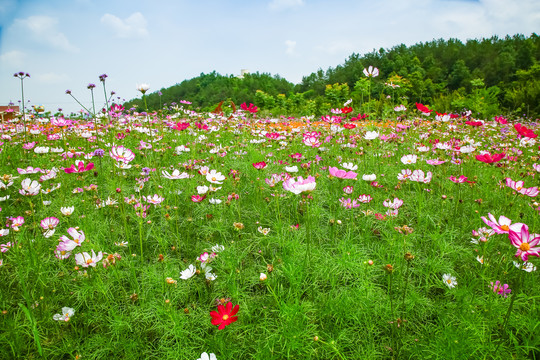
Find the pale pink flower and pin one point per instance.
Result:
(301, 185)
(342, 174)
(395, 204)
(365, 198)
(503, 226)
(85, 260)
(404, 175)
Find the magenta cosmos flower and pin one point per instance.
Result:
(79, 167)
(342, 174)
(518, 186)
(503, 225)
(527, 244)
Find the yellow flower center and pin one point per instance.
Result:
(505, 227)
(519, 188)
(225, 317)
(213, 179)
(89, 261)
(449, 281)
(524, 247)
(51, 226)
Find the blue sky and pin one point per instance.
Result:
(67, 44)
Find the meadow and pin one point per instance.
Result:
(232, 235)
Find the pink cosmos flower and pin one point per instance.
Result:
(435, 162)
(418, 175)
(70, 244)
(29, 187)
(394, 204)
(49, 223)
(365, 198)
(312, 141)
(342, 174)
(525, 243)
(155, 200)
(405, 174)
(78, 167)
(121, 153)
(348, 203)
(348, 189)
(503, 226)
(518, 186)
(28, 170)
(489, 158)
(301, 185)
(460, 180)
(409, 159)
(197, 198)
(500, 289)
(259, 165)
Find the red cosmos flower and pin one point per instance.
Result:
(359, 117)
(349, 126)
(501, 120)
(259, 165)
(201, 126)
(225, 315)
(181, 126)
(79, 167)
(474, 123)
(489, 158)
(251, 108)
(346, 110)
(423, 108)
(524, 131)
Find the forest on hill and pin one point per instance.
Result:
(490, 76)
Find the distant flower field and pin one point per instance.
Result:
(205, 236)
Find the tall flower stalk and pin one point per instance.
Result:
(22, 75)
(370, 72)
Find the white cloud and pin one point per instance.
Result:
(132, 27)
(291, 45)
(43, 29)
(285, 4)
(12, 58)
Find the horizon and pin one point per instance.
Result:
(68, 44)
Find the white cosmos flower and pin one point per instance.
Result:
(143, 88)
(217, 248)
(66, 314)
(214, 201)
(205, 356)
(202, 189)
(370, 135)
(175, 175)
(291, 169)
(215, 177)
(449, 280)
(188, 273)
(369, 177)
(349, 166)
(67, 211)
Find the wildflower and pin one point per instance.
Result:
(170, 280)
(342, 174)
(238, 226)
(525, 266)
(349, 166)
(205, 356)
(197, 198)
(370, 135)
(459, 180)
(225, 315)
(155, 200)
(395, 204)
(365, 198)
(525, 243)
(449, 280)
(409, 159)
(348, 203)
(215, 177)
(79, 167)
(291, 169)
(67, 211)
(70, 244)
(435, 161)
(49, 224)
(263, 277)
(348, 189)
(480, 259)
(518, 186)
(175, 175)
(121, 154)
(500, 289)
(489, 159)
(503, 225)
(143, 88)
(369, 177)
(371, 71)
(251, 108)
(301, 185)
(84, 259)
(67, 313)
(404, 175)
(259, 165)
(29, 187)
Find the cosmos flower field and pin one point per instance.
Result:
(199, 235)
